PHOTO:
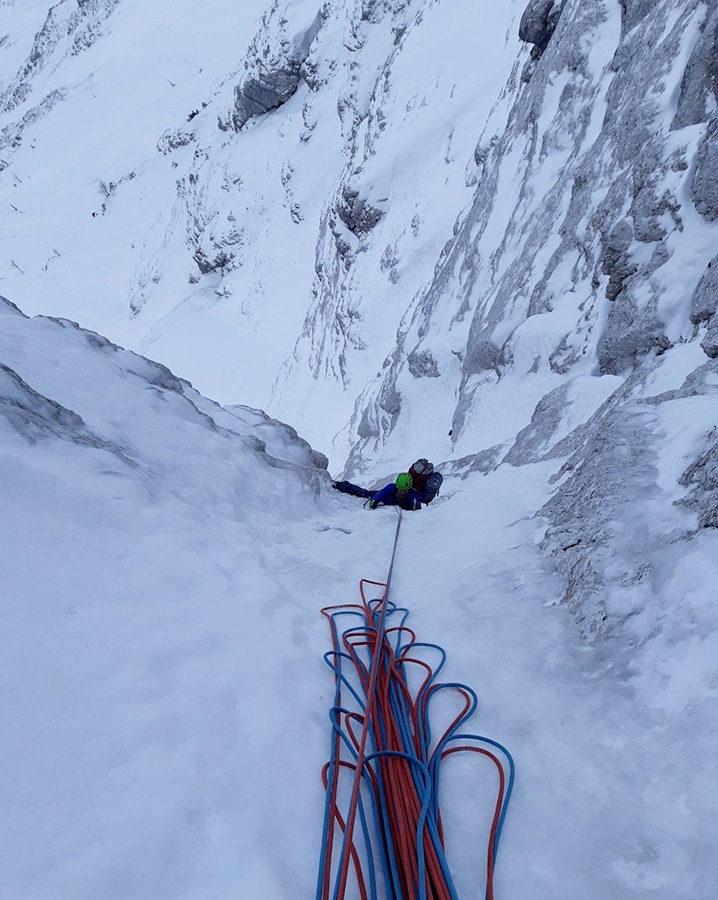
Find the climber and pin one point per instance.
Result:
(426, 481)
(400, 493)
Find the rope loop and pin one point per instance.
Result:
(384, 763)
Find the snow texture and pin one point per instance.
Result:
(486, 235)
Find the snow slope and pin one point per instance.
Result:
(142, 575)
(165, 713)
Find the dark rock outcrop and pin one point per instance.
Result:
(266, 91)
(357, 213)
(705, 297)
(538, 23)
(273, 69)
(616, 262)
(710, 341)
(423, 365)
(633, 332)
(633, 11)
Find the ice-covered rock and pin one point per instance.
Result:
(710, 341)
(705, 297)
(705, 307)
(702, 478)
(616, 262)
(560, 420)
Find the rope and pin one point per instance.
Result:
(382, 822)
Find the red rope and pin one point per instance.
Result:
(391, 780)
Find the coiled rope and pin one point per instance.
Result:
(384, 768)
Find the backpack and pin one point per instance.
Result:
(432, 487)
(426, 480)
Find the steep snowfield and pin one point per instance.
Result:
(165, 706)
(84, 174)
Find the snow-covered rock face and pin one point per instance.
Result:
(70, 27)
(415, 103)
(274, 69)
(582, 225)
(585, 258)
(274, 167)
(620, 515)
(699, 86)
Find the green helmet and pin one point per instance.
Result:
(403, 482)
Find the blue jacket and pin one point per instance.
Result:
(390, 496)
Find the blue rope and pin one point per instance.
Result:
(409, 718)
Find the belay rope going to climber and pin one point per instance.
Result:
(384, 768)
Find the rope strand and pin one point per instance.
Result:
(381, 742)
